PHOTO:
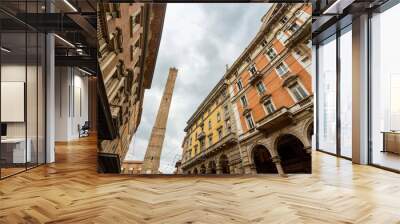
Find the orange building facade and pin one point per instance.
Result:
(270, 96)
(271, 92)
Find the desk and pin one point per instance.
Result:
(13, 150)
(391, 141)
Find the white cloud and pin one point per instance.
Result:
(198, 39)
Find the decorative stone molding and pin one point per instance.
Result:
(246, 110)
(265, 97)
(254, 78)
(290, 79)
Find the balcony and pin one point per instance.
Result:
(289, 79)
(284, 116)
(265, 97)
(201, 135)
(225, 141)
(300, 34)
(279, 118)
(246, 109)
(254, 78)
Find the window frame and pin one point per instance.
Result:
(263, 87)
(271, 49)
(244, 102)
(239, 84)
(277, 68)
(249, 115)
(300, 86)
(269, 102)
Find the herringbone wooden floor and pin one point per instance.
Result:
(70, 191)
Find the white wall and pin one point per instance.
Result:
(71, 93)
(15, 73)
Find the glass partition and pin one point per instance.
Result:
(22, 90)
(346, 92)
(385, 89)
(327, 95)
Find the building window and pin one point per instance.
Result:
(249, 120)
(298, 92)
(269, 107)
(209, 124)
(248, 59)
(132, 52)
(298, 52)
(294, 27)
(220, 133)
(134, 20)
(260, 87)
(282, 37)
(264, 43)
(281, 69)
(284, 19)
(271, 53)
(218, 116)
(224, 93)
(228, 126)
(137, 43)
(305, 59)
(244, 101)
(202, 143)
(133, 24)
(210, 141)
(239, 84)
(253, 69)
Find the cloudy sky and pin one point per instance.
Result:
(199, 40)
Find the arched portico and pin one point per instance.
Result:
(223, 165)
(212, 167)
(293, 156)
(202, 169)
(263, 160)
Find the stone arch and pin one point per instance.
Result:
(308, 130)
(212, 167)
(202, 169)
(294, 158)
(195, 171)
(223, 164)
(263, 159)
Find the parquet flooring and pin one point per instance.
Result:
(70, 191)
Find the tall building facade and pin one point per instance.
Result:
(210, 134)
(129, 35)
(269, 89)
(151, 162)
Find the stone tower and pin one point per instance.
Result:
(152, 158)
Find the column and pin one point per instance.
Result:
(50, 92)
(278, 165)
(360, 90)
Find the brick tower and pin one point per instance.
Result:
(152, 158)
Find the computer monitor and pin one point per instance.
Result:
(3, 129)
